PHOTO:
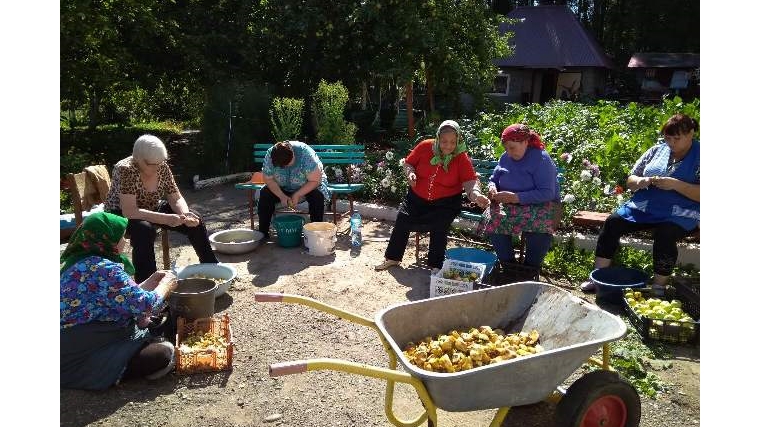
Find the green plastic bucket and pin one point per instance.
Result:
(289, 229)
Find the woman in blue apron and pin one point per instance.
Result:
(665, 182)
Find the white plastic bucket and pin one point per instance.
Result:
(320, 237)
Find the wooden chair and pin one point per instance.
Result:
(82, 190)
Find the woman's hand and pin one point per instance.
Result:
(412, 178)
(286, 201)
(152, 282)
(492, 191)
(482, 201)
(506, 197)
(191, 219)
(295, 199)
(175, 220)
(665, 183)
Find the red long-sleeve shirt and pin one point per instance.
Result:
(433, 182)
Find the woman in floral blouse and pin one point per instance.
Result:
(103, 311)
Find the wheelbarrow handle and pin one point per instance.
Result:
(287, 368)
(268, 297)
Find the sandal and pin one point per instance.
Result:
(388, 263)
(588, 286)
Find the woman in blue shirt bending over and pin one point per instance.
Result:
(524, 197)
(665, 181)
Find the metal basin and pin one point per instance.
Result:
(216, 272)
(236, 241)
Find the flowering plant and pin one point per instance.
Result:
(384, 177)
(587, 190)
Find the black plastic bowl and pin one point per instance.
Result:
(610, 282)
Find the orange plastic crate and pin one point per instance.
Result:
(204, 360)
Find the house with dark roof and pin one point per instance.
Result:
(554, 58)
(666, 73)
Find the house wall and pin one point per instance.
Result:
(525, 84)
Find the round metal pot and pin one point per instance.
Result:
(193, 298)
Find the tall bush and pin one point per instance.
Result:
(330, 101)
(287, 118)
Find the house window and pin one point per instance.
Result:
(501, 84)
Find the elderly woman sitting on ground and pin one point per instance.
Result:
(103, 311)
(143, 190)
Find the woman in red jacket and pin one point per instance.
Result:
(437, 169)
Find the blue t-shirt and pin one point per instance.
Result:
(533, 178)
(291, 178)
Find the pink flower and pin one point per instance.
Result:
(586, 163)
(566, 157)
(381, 164)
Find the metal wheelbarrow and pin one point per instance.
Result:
(571, 331)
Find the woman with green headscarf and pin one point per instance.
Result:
(438, 170)
(103, 309)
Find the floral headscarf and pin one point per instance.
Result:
(98, 235)
(520, 132)
(438, 156)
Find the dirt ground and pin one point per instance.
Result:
(267, 333)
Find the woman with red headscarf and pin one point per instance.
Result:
(524, 197)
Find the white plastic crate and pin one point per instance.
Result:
(439, 285)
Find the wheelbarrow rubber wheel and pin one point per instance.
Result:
(599, 399)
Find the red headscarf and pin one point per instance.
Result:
(519, 132)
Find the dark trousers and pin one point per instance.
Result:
(142, 237)
(400, 238)
(268, 201)
(664, 250)
(151, 358)
(537, 245)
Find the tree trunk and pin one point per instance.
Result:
(410, 109)
(429, 81)
(94, 103)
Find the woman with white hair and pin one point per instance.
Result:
(143, 190)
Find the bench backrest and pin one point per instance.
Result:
(484, 169)
(328, 154)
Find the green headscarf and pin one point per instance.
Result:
(461, 147)
(98, 235)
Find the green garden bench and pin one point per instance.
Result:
(341, 155)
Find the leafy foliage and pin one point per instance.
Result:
(605, 138)
(329, 104)
(287, 118)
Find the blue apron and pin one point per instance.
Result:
(653, 205)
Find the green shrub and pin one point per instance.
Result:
(287, 118)
(328, 107)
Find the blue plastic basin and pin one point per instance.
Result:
(473, 255)
(610, 282)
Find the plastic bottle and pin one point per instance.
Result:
(356, 229)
